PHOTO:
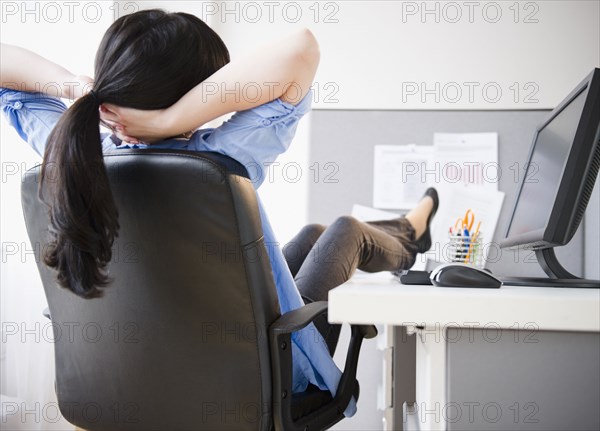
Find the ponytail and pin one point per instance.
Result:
(146, 60)
(83, 214)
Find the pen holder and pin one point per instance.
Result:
(465, 249)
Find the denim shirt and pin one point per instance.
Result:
(254, 138)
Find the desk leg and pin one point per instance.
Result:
(431, 379)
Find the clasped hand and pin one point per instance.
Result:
(135, 125)
(129, 125)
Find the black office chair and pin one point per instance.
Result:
(189, 334)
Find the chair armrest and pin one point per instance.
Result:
(281, 360)
(299, 318)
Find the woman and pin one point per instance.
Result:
(158, 77)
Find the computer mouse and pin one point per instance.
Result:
(462, 275)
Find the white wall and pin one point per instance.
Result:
(68, 34)
(431, 55)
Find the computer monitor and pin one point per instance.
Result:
(561, 170)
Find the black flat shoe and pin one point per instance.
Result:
(424, 241)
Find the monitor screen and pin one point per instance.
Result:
(560, 174)
(545, 169)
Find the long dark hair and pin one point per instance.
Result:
(146, 60)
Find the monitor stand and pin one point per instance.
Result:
(558, 276)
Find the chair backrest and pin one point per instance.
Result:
(180, 338)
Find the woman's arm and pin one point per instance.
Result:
(21, 69)
(283, 69)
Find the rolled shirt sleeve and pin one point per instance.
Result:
(255, 137)
(33, 115)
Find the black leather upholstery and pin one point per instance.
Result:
(180, 340)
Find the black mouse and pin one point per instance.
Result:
(462, 275)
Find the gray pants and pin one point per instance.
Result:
(321, 258)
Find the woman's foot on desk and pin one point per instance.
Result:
(420, 218)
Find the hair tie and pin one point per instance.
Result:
(95, 96)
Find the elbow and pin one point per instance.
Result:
(309, 52)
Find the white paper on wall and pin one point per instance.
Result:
(398, 175)
(465, 159)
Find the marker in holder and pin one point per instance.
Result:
(466, 249)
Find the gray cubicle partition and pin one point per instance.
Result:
(347, 138)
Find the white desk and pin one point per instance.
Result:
(436, 315)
